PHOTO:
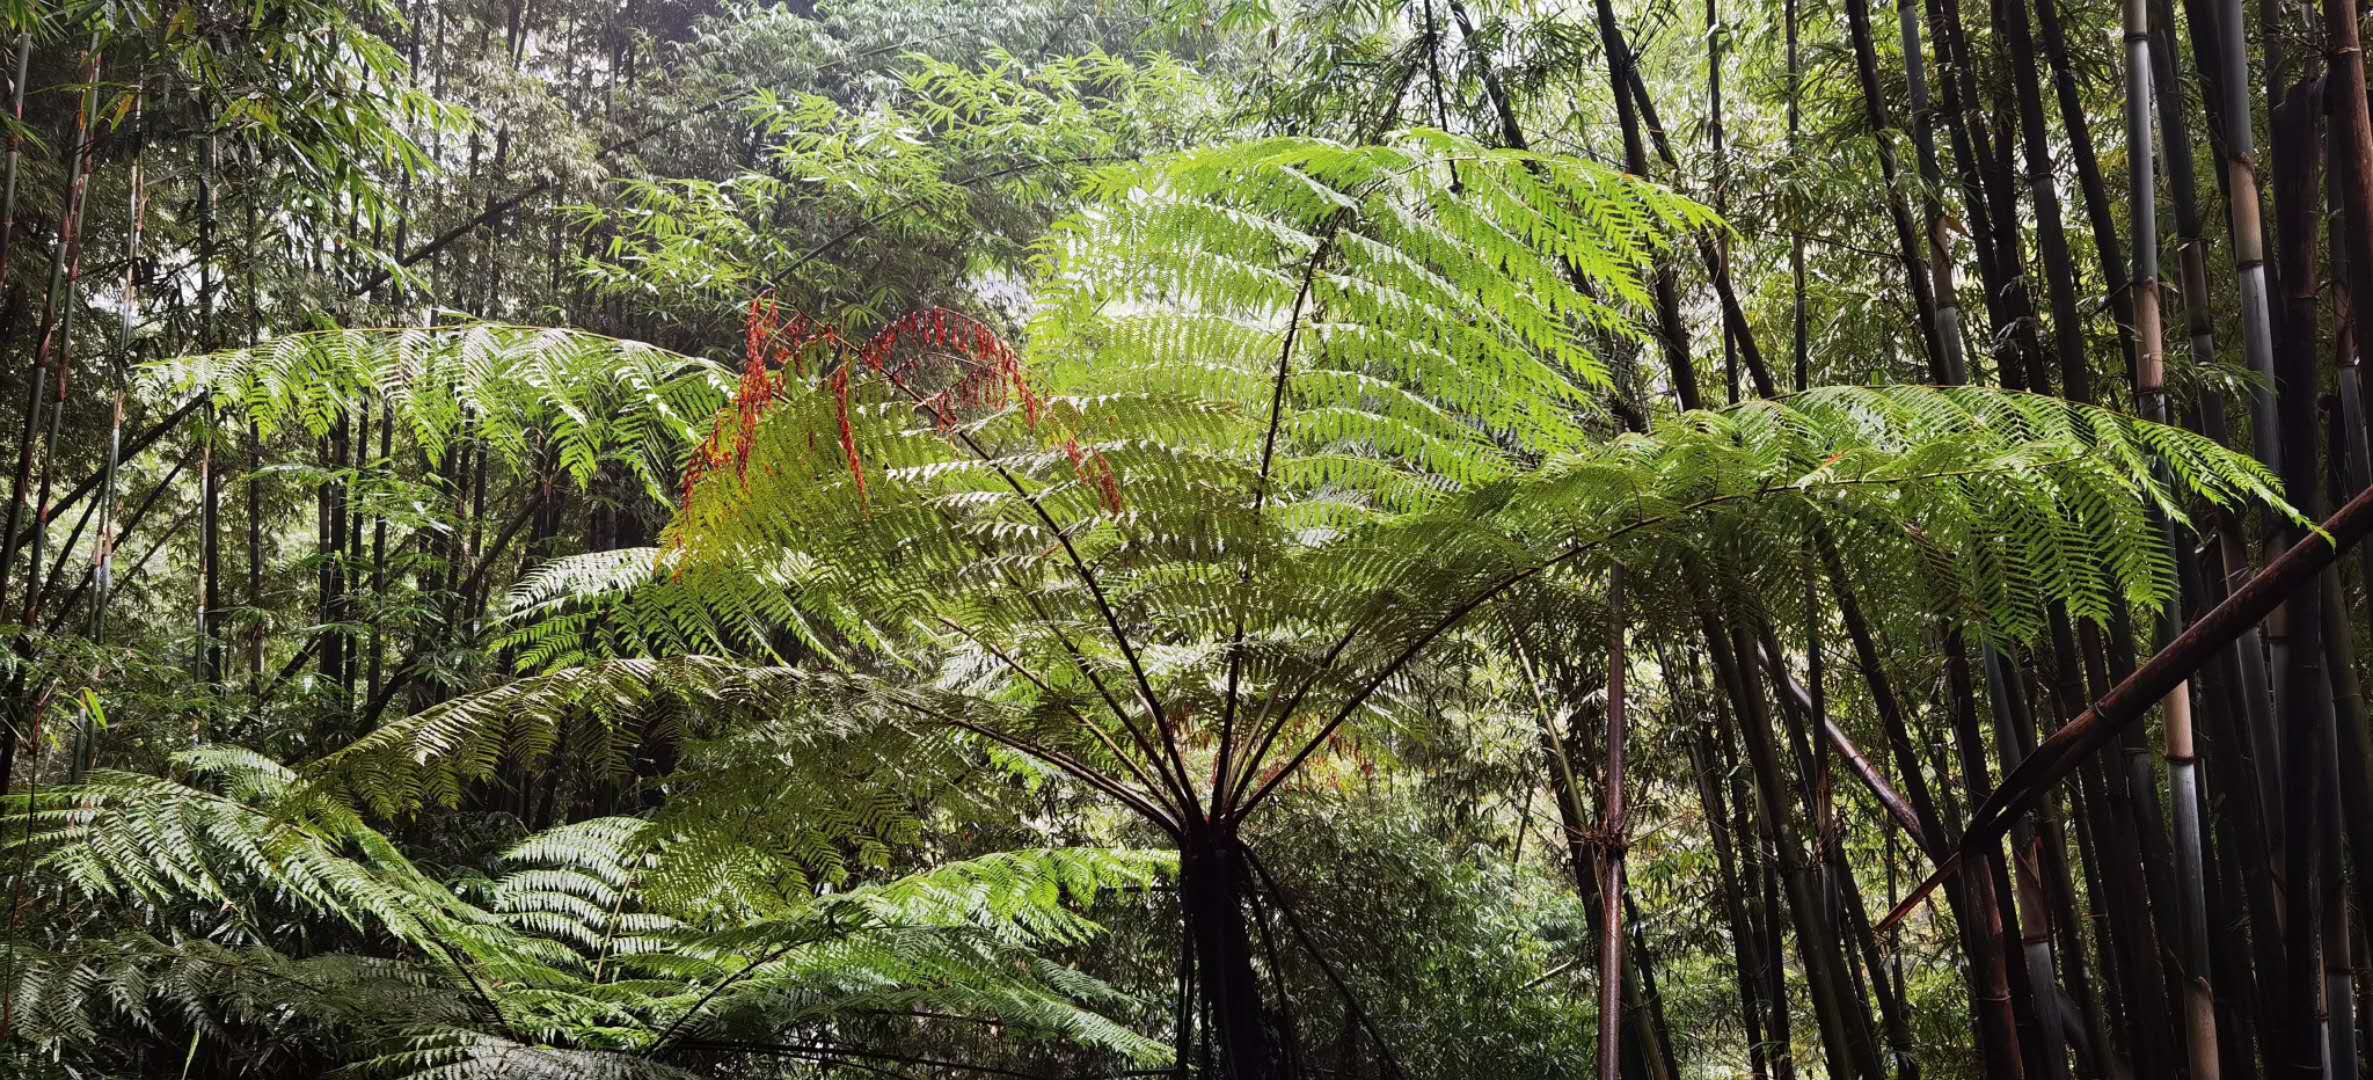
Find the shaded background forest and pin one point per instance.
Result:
(391, 686)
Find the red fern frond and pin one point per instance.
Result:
(972, 369)
(848, 435)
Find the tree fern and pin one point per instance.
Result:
(1292, 412)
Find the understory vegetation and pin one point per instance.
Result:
(1237, 539)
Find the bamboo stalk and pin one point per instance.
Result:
(1969, 898)
(1846, 1044)
(1799, 326)
(57, 307)
(1991, 205)
(2092, 190)
(2051, 234)
(2132, 698)
(1942, 351)
(1940, 255)
(1669, 332)
(2246, 223)
(1744, 949)
(16, 150)
(2306, 695)
(209, 478)
(1612, 831)
(2198, 1011)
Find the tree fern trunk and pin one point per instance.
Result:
(1213, 887)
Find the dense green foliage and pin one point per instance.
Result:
(1063, 539)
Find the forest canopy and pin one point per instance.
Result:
(1228, 539)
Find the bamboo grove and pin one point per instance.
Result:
(1231, 538)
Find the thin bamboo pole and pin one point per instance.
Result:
(1942, 354)
(1612, 833)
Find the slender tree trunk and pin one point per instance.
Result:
(209, 481)
(1942, 350)
(2245, 221)
(2091, 187)
(1670, 333)
(2191, 895)
(57, 319)
(2306, 696)
(1612, 831)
